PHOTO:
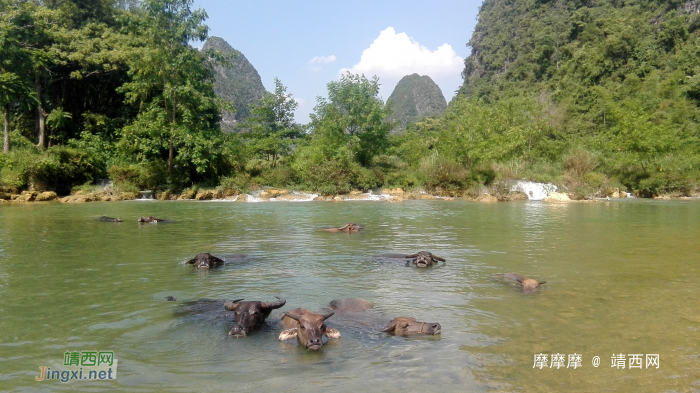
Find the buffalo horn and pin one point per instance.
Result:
(231, 306)
(412, 256)
(326, 316)
(438, 258)
(542, 282)
(273, 305)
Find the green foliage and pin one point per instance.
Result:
(271, 127)
(59, 168)
(353, 117)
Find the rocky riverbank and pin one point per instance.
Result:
(110, 194)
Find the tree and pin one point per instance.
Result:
(272, 125)
(172, 85)
(14, 59)
(353, 116)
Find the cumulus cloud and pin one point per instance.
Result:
(322, 59)
(393, 56)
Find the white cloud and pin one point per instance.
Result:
(392, 56)
(300, 101)
(322, 59)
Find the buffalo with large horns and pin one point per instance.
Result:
(250, 315)
(424, 259)
(406, 326)
(308, 327)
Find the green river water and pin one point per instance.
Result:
(622, 278)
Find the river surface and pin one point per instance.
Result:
(622, 278)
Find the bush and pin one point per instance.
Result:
(580, 162)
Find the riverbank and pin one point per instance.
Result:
(515, 191)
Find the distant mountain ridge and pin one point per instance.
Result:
(415, 97)
(239, 83)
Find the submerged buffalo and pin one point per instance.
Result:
(347, 228)
(250, 315)
(151, 219)
(110, 219)
(424, 259)
(406, 326)
(352, 304)
(528, 284)
(205, 261)
(308, 327)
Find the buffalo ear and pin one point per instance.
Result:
(192, 261)
(390, 327)
(332, 333)
(287, 334)
(290, 315)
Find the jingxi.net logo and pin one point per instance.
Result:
(82, 366)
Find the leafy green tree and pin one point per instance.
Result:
(271, 124)
(15, 58)
(171, 83)
(353, 117)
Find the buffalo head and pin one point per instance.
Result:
(528, 284)
(205, 261)
(425, 259)
(405, 326)
(307, 327)
(347, 228)
(250, 315)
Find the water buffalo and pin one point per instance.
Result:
(205, 261)
(110, 219)
(350, 305)
(405, 326)
(528, 284)
(307, 327)
(250, 315)
(151, 219)
(424, 259)
(347, 228)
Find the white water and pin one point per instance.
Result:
(534, 191)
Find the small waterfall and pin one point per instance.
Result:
(534, 191)
(146, 194)
(254, 196)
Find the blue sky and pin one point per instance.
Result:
(307, 44)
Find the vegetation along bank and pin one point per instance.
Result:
(596, 97)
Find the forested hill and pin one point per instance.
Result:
(589, 55)
(596, 92)
(238, 82)
(414, 97)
